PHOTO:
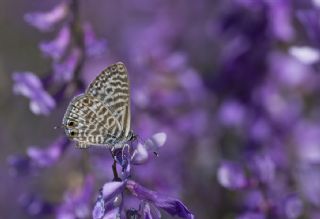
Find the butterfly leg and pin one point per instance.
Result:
(116, 177)
(82, 145)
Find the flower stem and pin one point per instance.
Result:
(115, 173)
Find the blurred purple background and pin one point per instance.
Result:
(234, 84)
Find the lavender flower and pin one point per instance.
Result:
(29, 85)
(37, 158)
(63, 72)
(57, 47)
(231, 175)
(112, 191)
(93, 45)
(45, 21)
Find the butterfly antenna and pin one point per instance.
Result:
(58, 126)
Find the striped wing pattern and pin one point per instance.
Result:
(101, 116)
(111, 87)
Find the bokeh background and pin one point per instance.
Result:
(234, 84)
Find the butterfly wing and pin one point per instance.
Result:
(111, 87)
(90, 122)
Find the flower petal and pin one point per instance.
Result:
(99, 209)
(48, 156)
(56, 48)
(63, 72)
(231, 175)
(93, 46)
(29, 85)
(171, 205)
(20, 165)
(112, 189)
(44, 21)
(113, 214)
(140, 155)
(305, 54)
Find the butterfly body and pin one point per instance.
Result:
(101, 116)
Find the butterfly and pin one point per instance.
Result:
(101, 115)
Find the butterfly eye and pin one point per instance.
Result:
(73, 133)
(71, 124)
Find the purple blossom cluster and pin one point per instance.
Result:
(224, 98)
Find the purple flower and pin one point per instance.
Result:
(293, 207)
(254, 200)
(29, 85)
(232, 113)
(231, 175)
(307, 138)
(263, 167)
(109, 200)
(63, 72)
(57, 47)
(293, 72)
(20, 165)
(45, 21)
(50, 155)
(112, 192)
(170, 205)
(92, 44)
(310, 21)
(35, 205)
(308, 177)
(76, 204)
(280, 19)
(38, 158)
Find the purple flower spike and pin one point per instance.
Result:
(44, 21)
(63, 72)
(47, 157)
(56, 48)
(29, 85)
(170, 205)
(231, 175)
(92, 44)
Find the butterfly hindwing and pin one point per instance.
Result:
(88, 121)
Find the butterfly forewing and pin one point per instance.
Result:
(89, 122)
(111, 87)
